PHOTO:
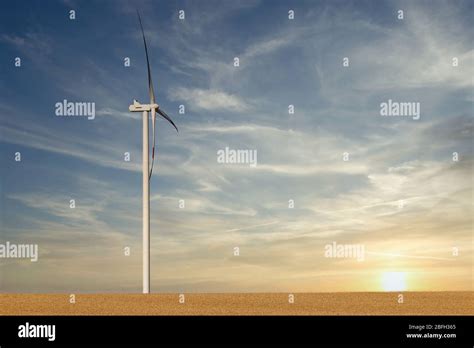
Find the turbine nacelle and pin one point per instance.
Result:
(137, 107)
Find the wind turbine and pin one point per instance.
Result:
(154, 108)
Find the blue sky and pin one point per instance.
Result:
(282, 62)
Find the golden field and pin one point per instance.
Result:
(347, 303)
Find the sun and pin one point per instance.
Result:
(393, 281)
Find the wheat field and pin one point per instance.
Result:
(351, 303)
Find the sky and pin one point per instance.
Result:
(334, 171)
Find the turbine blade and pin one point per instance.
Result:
(166, 117)
(150, 82)
(153, 121)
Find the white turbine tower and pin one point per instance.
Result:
(147, 171)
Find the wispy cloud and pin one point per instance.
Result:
(119, 114)
(32, 44)
(209, 99)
